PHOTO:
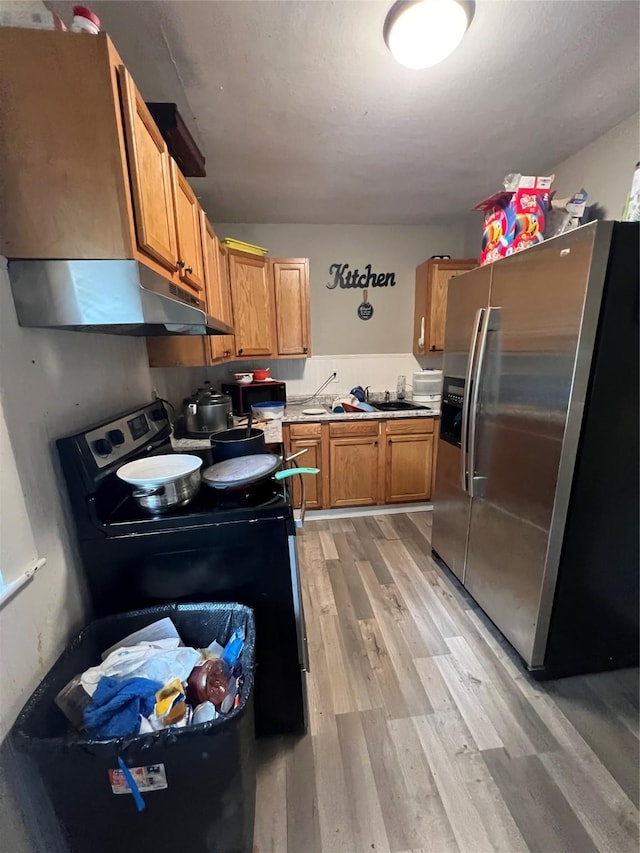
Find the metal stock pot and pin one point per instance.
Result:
(162, 483)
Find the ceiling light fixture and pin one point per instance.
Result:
(421, 33)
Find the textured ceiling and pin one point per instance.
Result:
(303, 115)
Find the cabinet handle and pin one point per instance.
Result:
(180, 263)
(188, 270)
(240, 351)
(375, 443)
(390, 442)
(305, 349)
(433, 347)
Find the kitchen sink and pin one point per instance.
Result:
(397, 406)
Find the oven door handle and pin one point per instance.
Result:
(466, 400)
(298, 606)
(303, 489)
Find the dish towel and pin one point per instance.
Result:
(117, 704)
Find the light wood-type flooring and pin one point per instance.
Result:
(425, 732)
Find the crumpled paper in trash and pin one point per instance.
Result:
(162, 660)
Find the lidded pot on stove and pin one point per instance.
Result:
(206, 412)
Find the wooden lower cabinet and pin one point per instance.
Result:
(364, 462)
(408, 468)
(353, 471)
(311, 459)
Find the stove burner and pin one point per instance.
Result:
(208, 501)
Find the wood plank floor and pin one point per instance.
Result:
(425, 732)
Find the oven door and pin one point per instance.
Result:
(251, 562)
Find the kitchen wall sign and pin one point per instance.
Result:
(365, 309)
(345, 277)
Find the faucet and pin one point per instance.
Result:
(366, 393)
(387, 396)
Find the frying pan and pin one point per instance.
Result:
(243, 471)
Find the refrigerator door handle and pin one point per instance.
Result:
(488, 325)
(466, 401)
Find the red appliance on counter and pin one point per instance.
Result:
(243, 396)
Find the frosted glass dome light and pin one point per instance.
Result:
(421, 33)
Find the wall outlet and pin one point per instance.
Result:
(334, 378)
(154, 394)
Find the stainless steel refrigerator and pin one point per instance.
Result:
(536, 498)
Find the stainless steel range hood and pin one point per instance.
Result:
(118, 297)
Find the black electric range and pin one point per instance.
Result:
(235, 546)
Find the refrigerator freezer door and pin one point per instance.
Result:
(468, 295)
(522, 417)
(451, 507)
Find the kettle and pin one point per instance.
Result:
(206, 412)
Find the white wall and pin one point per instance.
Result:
(372, 352)
(335, 326)
(51, 383)
(304, 376)
(604, 168)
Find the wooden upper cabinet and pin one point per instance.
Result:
(64, 181)
(188, 225)
(252, 299)
(150, 175)
(224, 345)
(408, 468)
(217, 290)
(430, 309)
(291, 288)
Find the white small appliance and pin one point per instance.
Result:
(427, 388)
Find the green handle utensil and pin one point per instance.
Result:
(291, 472)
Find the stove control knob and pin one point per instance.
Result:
(158, 415)
(102, 446)
(116, 437)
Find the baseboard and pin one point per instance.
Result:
(356, 512)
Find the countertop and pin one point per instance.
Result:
(294, 414)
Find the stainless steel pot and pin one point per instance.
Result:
(167, 496)
(207, 412)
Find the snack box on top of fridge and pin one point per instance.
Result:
(514, 218)
(499, 226)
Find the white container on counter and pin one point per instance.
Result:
(426, 384)
(268, 411)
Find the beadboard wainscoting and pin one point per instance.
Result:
(379, 371)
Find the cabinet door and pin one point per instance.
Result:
(291, 287)
(252, 300)
(178, 351)
(311, 459)
(224, 346)
(353, 471)
(218, 345)
(187, 212)
(150, 175)
(408, 468)
(430, 309)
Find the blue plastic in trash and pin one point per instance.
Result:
(138, 799)
(114, 710)
(234, 647)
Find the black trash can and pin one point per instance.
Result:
(198, 784)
